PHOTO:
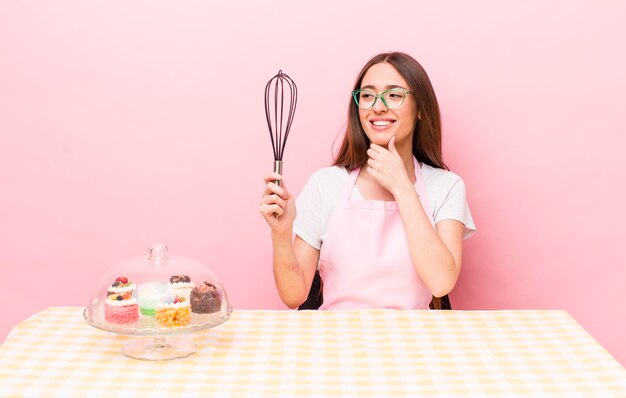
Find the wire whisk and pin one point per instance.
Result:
(281, 98)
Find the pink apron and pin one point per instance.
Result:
(365, 261)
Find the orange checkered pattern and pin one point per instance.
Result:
(365, 353)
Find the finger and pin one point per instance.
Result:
(273, 188)
(392, 144)
(372, 163)
(272, 177)
(372, 154)
(270, 210)
(376, 147)
(276, 211)
(273, 199)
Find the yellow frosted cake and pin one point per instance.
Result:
(173, 312)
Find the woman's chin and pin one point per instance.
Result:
(380, 138)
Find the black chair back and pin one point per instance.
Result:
(316, 297)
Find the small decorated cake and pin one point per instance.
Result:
(120, 306)
(182, 285)
(205, 299)
(150, 295)
(173, 312)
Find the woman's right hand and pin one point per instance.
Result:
(277, 205)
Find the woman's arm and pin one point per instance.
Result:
(294, 262)
(436, 254)
(294, 269)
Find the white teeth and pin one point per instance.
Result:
(381, 123)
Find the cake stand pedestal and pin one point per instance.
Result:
(160, 348)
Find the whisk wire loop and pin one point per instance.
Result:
(283, 92)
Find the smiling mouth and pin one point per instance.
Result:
(381, 124)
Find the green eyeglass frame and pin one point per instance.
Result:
(390, 105)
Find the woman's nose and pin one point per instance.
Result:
(379, 106)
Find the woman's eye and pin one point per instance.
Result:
(366, 96)
(395, 95)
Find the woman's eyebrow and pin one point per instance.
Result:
(387, 87)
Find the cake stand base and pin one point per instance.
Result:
(159, 349)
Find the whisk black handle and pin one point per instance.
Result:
(278, 168)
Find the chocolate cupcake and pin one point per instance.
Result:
(205, 299)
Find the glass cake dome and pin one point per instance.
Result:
(158, 295)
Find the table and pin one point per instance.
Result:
(364, 353)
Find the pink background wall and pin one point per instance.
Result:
(124, 123)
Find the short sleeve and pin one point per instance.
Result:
(455, 207)
(308, 222)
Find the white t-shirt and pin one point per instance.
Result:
(445, 192)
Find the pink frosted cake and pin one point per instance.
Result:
(120, 306)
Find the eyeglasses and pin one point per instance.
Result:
(392, 98)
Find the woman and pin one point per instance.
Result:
(385, 224)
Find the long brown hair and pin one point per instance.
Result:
(427, 131)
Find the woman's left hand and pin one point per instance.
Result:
(387, 167)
